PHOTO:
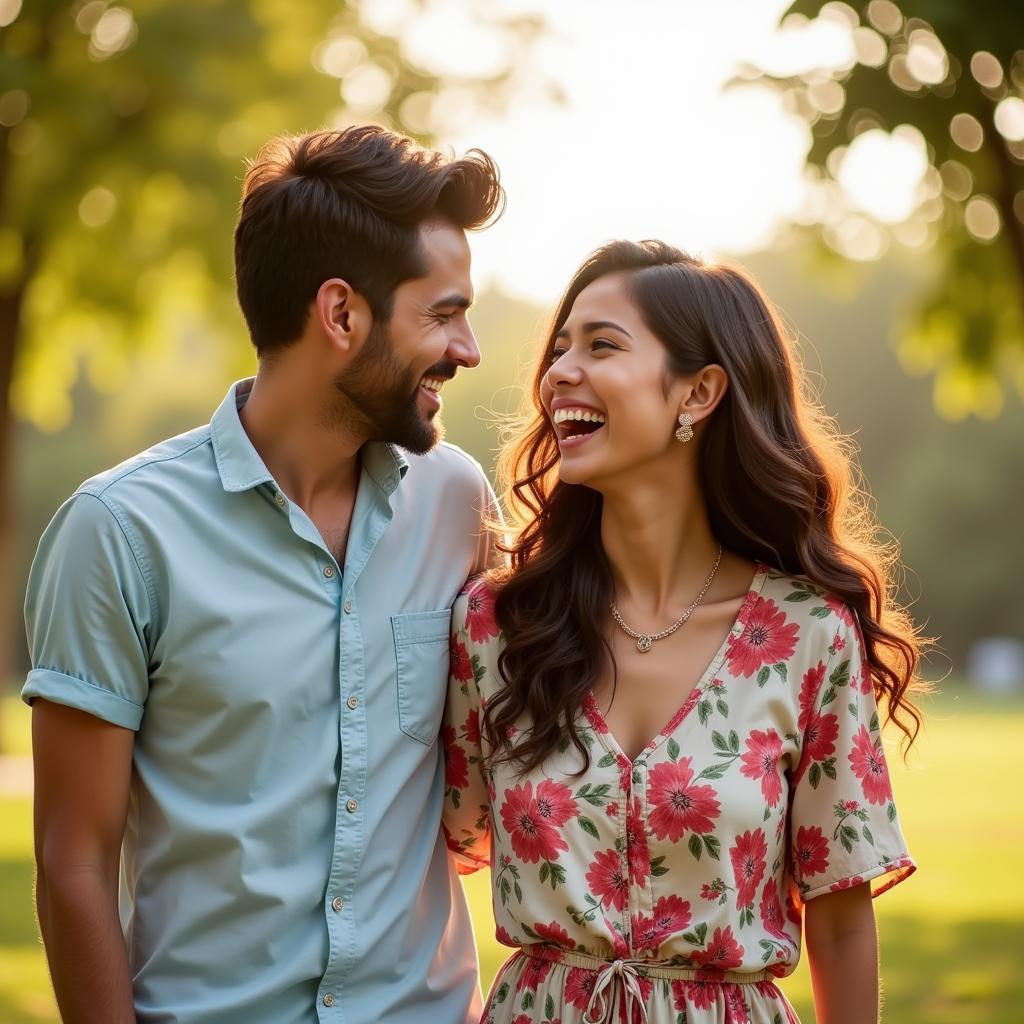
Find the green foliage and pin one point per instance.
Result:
(123, 134)
(942, 68)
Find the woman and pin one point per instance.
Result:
(662, 718)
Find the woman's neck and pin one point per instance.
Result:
(659, 544)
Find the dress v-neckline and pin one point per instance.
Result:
(592, 710)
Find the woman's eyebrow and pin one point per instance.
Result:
(596, 325)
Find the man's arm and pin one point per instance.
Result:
(82, 773)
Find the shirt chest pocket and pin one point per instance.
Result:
(421, 657)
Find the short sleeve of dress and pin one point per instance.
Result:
(474, 649)
(88, 616)
(844, 828)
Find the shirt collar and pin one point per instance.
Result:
(241, 467)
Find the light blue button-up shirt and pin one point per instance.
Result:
(282, 862)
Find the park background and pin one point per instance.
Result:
(864, 161)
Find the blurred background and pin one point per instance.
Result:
(864, 160)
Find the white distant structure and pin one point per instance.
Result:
(996, 665)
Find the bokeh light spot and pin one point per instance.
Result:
(987, 70)
(97, 207)
(1009, 118)
(982, 218)
(966, 131)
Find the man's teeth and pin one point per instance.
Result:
(432, 383)
(583, 415)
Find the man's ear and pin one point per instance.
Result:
(342, 314)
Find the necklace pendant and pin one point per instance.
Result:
(643, 643)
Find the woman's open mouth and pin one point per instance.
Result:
(576, 426)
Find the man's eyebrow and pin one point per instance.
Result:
(596, 325)
(456, 299)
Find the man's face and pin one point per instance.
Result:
(394, 382)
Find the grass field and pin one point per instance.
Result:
(952, 936)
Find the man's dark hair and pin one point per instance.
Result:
(346, 204)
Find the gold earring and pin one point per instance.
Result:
(685, 431)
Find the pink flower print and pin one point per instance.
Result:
(459, 664)
(480, 614)
(820, 737)
(809, 688)
(611, 809)
(810, 852)
(735, 1005)
(637, 850)
(766, 639)
(534, 972)
(607, 880)
(771, 911)
(698, 994)
(749, 856)
(677, 804)
(840, 609)
(456, 767)
(533, 837)
(553, 933)
(722, 954)
(471, 727)
(868, 763)
(578, 987)
(761, 761)
(670, 916)
(555, 802)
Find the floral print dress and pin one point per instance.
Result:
(669, 889)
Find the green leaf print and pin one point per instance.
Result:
(866, 832)
(478, 670)
(713, 846)
(691, 938)
(762, 676)
(829, 767)
(828, 696)
(814, 775)
(713, 771)
(549, 1007)
(588, 826)
(718, 741)
(527, 1000)
(502, 994)
(800, 595)
(734, 741)
(873, 724)
(695, 846)
(821, 612)
(704, 711)
(890, 812)
(780, 668)
(840, 674)
(702, 933)
(657, 866)
(595, 795)
(607, 761)
(852, 708)
(518, 890)
(723, 708)
(673, 749)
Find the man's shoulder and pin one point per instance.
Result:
(137, 474)
(448, 464)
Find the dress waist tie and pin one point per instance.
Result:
(601, 1007)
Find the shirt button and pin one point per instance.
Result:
(352, 806)
(328, 571)
(352, 702)
(328, 999)
(280, 499)
(337, 903)
(348, 607)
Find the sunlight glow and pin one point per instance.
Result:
(880, 172)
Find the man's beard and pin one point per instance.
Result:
(379, 397)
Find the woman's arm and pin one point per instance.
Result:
(842, 948)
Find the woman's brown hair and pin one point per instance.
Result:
(779, 482)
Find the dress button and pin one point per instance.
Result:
(280, 499)
(337, 903)
(352, 806)
(328, 999)
(352, 702)
(348, 607)
(328, 571)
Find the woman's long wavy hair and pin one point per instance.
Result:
(780, 486)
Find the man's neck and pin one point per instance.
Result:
(314, 463)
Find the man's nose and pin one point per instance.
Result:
(463, 349)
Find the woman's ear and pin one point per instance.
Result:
(706, 390)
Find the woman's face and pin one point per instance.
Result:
(605, 389)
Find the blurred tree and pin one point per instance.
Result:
(947, 77)
(123, 130)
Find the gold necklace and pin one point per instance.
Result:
(644, 641)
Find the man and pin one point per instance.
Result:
(239, 637)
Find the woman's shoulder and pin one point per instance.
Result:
(473, 612)
(815, 609)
